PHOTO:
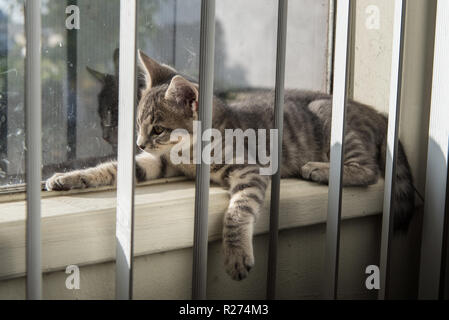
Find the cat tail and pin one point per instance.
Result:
(404, 190)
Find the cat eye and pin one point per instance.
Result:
(158, 129)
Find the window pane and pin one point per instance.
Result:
(79, 75)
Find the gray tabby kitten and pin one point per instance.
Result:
(169, 102)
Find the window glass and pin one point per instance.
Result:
(78, 65)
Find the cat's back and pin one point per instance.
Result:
(255, 108)
(307, 115)
(261, 100)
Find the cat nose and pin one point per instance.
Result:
(141, 146)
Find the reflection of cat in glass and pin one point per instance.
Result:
(108, 101)
(169, 101)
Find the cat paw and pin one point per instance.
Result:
(66, 181)
(316, 171)
(238, 262)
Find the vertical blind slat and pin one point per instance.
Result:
(33, 107)
(126, 150)
(392, 142)
(279, 125)
(340, 89)
(206, 81)
(437, 162)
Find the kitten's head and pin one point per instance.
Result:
(168, 102)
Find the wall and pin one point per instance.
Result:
(301, 260)
(372, 68)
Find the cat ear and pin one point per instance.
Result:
(116, 62)
(97, 75)
(183, 91)
(154, 73)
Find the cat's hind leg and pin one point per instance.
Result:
(360, 167)
(247, 190)
(354, 174)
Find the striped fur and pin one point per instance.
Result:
(169, 104)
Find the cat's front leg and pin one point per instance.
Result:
(101, 175)
(148, 167)
(247, 190)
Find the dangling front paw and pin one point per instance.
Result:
(66, 181)
(238, 261)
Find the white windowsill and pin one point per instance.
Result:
(79, 228)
